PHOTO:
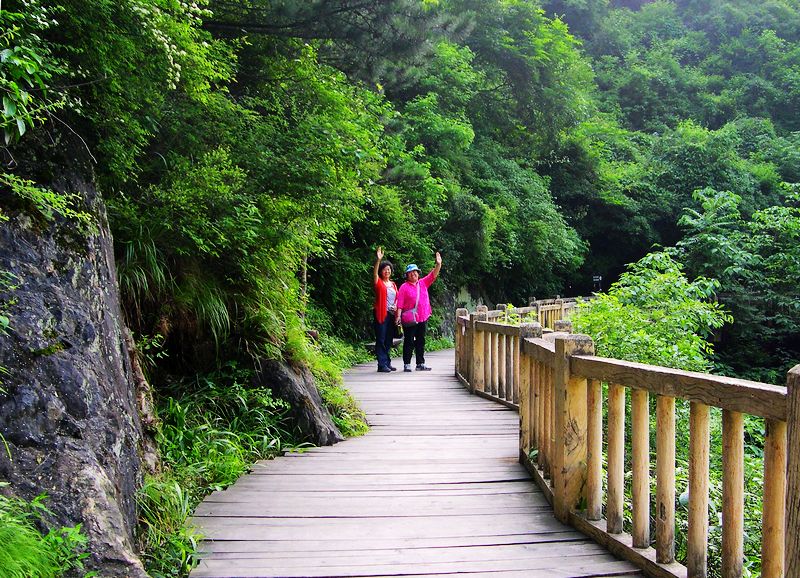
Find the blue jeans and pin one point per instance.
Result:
(384, 338)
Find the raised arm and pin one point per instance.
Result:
(379, 255)
(438, 266)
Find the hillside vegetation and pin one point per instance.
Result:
(253, 154)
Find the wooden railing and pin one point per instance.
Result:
(554, 380)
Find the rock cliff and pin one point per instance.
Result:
(68, 403)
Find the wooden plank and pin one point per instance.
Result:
(434, 488)
(404, 556)
(344, 547)
(739, 395)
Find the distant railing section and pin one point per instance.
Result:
(554, 380)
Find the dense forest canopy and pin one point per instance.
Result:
(253, 154)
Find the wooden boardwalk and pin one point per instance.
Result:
(433, 489)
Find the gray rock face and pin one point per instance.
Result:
(297, 387)
(68, 404)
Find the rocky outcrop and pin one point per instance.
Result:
(298, 388)
(68, 404)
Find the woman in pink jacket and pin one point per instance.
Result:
(413, 311)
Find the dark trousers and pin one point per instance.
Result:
(414, 342)
(384, 337)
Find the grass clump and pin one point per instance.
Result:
(213, 428)
(25, 552)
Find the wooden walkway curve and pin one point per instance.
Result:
(433, 489)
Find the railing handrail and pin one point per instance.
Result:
(554, 378)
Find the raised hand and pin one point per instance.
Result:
(438, 258)
(379, 253)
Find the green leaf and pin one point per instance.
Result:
(9, 107)
(21, 126)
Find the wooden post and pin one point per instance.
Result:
(495, 379)
(525, 391)
(511, 349)
(793, 475)
(616, 458)
(569, 461)
(489, 359)
(774, 502)
(459, 340)
(594, 481)
(501, 368)
(665, 480)
(515, 362)
(477, 350)
(640, 423)
(562, 325)
(697, 535)
(732, 493)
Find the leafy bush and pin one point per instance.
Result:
(654, 314)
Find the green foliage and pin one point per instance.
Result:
(26, 70)
(46, 203)
(756, 261)
(165, 537)
(655, 315)
(25, 552)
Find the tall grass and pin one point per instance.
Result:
(25, 552)
(212, 430)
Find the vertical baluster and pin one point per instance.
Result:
(774, 505)
(547, 402)
(665, 481)
(525, 404)
(594, 482)
(501, 370)
(538, 418)
(459, 341)
(793, 473)
(616, 458)
(478, 351)
(732, 493)
(518, 371)
(492, 382)
(697, 537)
(551, 410)
(490, 360)
(640, 421)
(511, 347)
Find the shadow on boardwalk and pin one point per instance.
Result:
(434, 488)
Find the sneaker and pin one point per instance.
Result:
(423, 367)
(407, 367)
(383, 369)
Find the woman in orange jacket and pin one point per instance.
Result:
(384, 309)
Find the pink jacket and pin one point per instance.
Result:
(407, 297)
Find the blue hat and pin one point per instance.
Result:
(411, 268)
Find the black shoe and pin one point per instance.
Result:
(384, 370)
(392, 368)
